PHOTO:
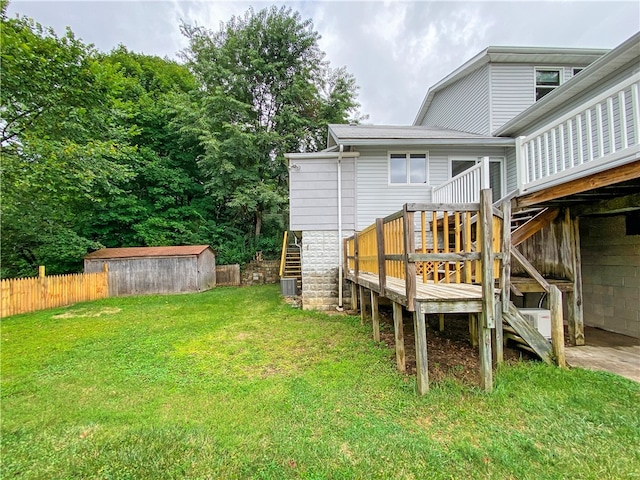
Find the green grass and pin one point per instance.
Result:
(233, 383)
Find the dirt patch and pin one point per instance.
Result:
(85, 313)
(450, 353)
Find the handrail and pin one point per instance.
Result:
(605, 128)
(451, 249)
(283, 255)
(464, 187)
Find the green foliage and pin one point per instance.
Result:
(123, 149)
(233, 383)
(265, 90)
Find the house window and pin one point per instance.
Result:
(546, 80)
(408, 168)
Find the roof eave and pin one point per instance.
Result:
(489, 141)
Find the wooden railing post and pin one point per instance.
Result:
(487, 257)
(485, 177)
(505, 279)
(382, 269)
(356, 260)
(409, 267)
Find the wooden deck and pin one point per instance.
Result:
(430, 297)
(609, 352)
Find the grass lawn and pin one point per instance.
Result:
(233, 383)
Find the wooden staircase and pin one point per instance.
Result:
(290, 261)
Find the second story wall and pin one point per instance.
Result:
(513, 89)
(463, 105)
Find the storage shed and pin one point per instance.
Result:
(145, 270)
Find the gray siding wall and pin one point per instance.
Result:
(610, 275)
(313, 194)
(377, 198)
(139, 276)
(464, 105)
(621, 73)
(512, 91)
(512, 172)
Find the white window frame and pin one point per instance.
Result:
(535, 83)
(407, 154)
(495, 159)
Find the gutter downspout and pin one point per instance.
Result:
(340, 272)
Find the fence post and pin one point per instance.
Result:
(42, 298)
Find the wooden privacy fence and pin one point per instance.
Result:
(22, 295)
(228, 275)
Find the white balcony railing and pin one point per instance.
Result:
(602, 133)
(464, 187)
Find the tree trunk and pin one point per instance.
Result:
(258, 224)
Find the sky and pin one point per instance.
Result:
(395, 50)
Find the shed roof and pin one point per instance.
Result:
(132, 252)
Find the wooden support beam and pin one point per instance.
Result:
(484, 344)
(497, 337)
(356, 260)
(505, 279)
(487, 255)
(473, 329)
(409, 267)
(363, 304)
(534, 225)
(574, 308)
(557, 326)
(441, 322)
(354, 297)
(612, 176)
(610, 206)
(422, 371)
(530, 269)
(398, 329)
(375, 316)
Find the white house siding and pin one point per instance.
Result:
(512, 172)
(313, 194)
(610, 275)
(512, 91)
(463, 105)
(320, 262)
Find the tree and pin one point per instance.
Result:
(265, 89)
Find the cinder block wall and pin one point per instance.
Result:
(610, 275)
(320, 259)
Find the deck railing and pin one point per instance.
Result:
(449, 246)
(599, 134)
(464, 187)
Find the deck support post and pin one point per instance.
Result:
(398, 329)
(441, 322)
(484, 343)
(557, 326)
(473, 329)
(574, 301)
(375, 316)
(497, 337)
(420, 332)
(363, 304)
(354, 297)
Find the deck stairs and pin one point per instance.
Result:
(291, 262)
(516, 328)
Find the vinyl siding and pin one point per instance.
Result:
(512, 173)
(463, 106)
(512, 91)
(313, 194)
(377, 198)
